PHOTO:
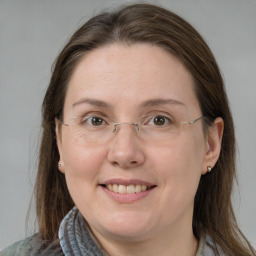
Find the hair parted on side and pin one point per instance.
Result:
(128, 25)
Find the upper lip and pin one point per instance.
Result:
(127, 182)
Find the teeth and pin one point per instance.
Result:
(122, 189)
(138, 188)
(115, 188)
(143, 188)
(130, 189)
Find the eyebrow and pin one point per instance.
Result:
(156, 102)
(147, 103)
(93, 102)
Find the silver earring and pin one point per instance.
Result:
(59, 164)
(209, 168)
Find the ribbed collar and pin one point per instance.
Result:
(77, 239)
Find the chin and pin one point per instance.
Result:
(125, 226)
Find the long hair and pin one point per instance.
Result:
(132, 24)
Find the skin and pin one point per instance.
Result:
(161, 222)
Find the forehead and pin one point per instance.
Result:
(128, 75)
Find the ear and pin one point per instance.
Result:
(59, 144)
(213, 144)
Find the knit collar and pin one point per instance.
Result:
(74, 237)
(77, 239)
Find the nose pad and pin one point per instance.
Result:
(118, 124)
(125, 150)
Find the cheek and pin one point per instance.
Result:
(179, 166)
(82, 164)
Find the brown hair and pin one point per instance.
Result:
(144, 23)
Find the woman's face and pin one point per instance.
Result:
(124, 83)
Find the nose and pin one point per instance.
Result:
(125, 150)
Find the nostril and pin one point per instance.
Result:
(115, 163)
(124, 165)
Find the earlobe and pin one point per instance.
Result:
(61, 166)
(213, 144)
(59, 145)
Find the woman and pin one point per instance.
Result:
(138, 150)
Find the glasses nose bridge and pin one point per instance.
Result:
(136, 125)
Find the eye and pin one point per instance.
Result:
(159, 120)
(94, 120)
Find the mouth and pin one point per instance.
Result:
(127, 189)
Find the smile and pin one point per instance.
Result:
(126, 194)
(127, 191)
(130, 189)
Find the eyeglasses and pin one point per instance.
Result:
(97, 128)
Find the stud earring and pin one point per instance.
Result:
(209, 168)
(59, 164)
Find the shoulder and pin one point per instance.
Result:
(211, 248)
(33, 246)
(18, 248)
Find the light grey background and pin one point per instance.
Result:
(32, 32)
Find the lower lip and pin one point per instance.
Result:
(127, 198)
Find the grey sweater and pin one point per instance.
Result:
(33, 246)
(75, 239)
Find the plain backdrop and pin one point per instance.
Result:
(32, 32)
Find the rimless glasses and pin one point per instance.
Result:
(99, 128)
